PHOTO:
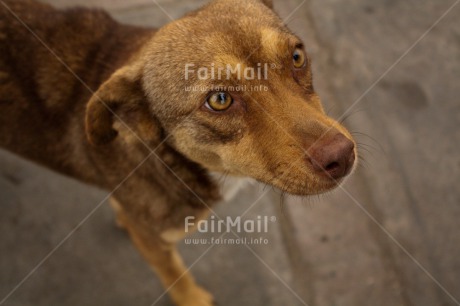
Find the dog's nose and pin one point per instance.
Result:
(333, 156)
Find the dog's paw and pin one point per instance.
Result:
(195, 296)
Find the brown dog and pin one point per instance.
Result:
(115, 106)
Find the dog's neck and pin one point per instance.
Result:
(230, 186)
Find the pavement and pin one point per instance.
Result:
(388, 236)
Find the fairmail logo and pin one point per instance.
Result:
(229, 224)
(238, 71)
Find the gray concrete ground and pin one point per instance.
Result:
(390, 236)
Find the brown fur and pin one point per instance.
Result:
(92, 99)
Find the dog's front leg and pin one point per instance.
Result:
(166, 261)
(161, 253)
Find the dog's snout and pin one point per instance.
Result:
(333, 156)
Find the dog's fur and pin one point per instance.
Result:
(92, 99)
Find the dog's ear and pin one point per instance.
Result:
(268, 3)
(121, 98)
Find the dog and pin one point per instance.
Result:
(111, 105)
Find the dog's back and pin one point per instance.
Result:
(50, 63)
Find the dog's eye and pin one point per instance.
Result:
(219, 101)
(298, 58)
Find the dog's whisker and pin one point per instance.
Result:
(360, 134)
(362, 148)
(363, 163)
(329, 109)
(352, 113)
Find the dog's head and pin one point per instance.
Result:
(232, 89)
